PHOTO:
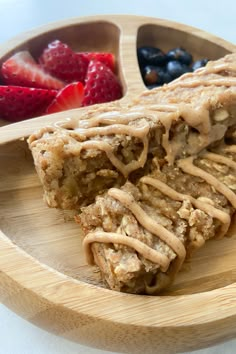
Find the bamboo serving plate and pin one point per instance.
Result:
(43, 273)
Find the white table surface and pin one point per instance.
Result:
(17, 336)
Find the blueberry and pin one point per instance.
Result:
(150, 56)
(153, 75)
(199, 64)
(176, 69)
(167, 77)
(179, 54)
(186, 68)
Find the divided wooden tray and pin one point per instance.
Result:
(43, 273)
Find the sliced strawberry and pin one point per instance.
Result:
(19, 103)
(22, 70)
(60, 60)
(101, 85)
(69, 97)
(104, 57)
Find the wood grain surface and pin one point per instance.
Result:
(43, 273)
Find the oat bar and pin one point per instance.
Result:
(140, 235)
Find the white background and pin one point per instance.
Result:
(218, 17)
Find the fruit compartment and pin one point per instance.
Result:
(168, 38)
(91, 36)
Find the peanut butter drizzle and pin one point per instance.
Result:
(125, 169)
(193, 83)
(137, 131)
(188, 166)
(213, 82)
(211, 68)
(166, 144)
(220, 159)
(198, 118)
(111, 237)
(204, 206)
(215, 68)
(116, 122)
(38, 135)
(108, 118)
(155, 107)
(151, 225)
(158, 230)
(113, 117)
(230, 148)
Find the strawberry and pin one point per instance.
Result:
(69, 97)
(101, 85)
(22, 70)
(60, 60)
(19, 103)
(104, 57)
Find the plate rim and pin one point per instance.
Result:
(220, 302)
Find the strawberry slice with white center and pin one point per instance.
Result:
(69, 97)
(104, 57)
(22, 70)
(101, 85)
(61, 61)
(18, 103)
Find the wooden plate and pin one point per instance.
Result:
(43, 273)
